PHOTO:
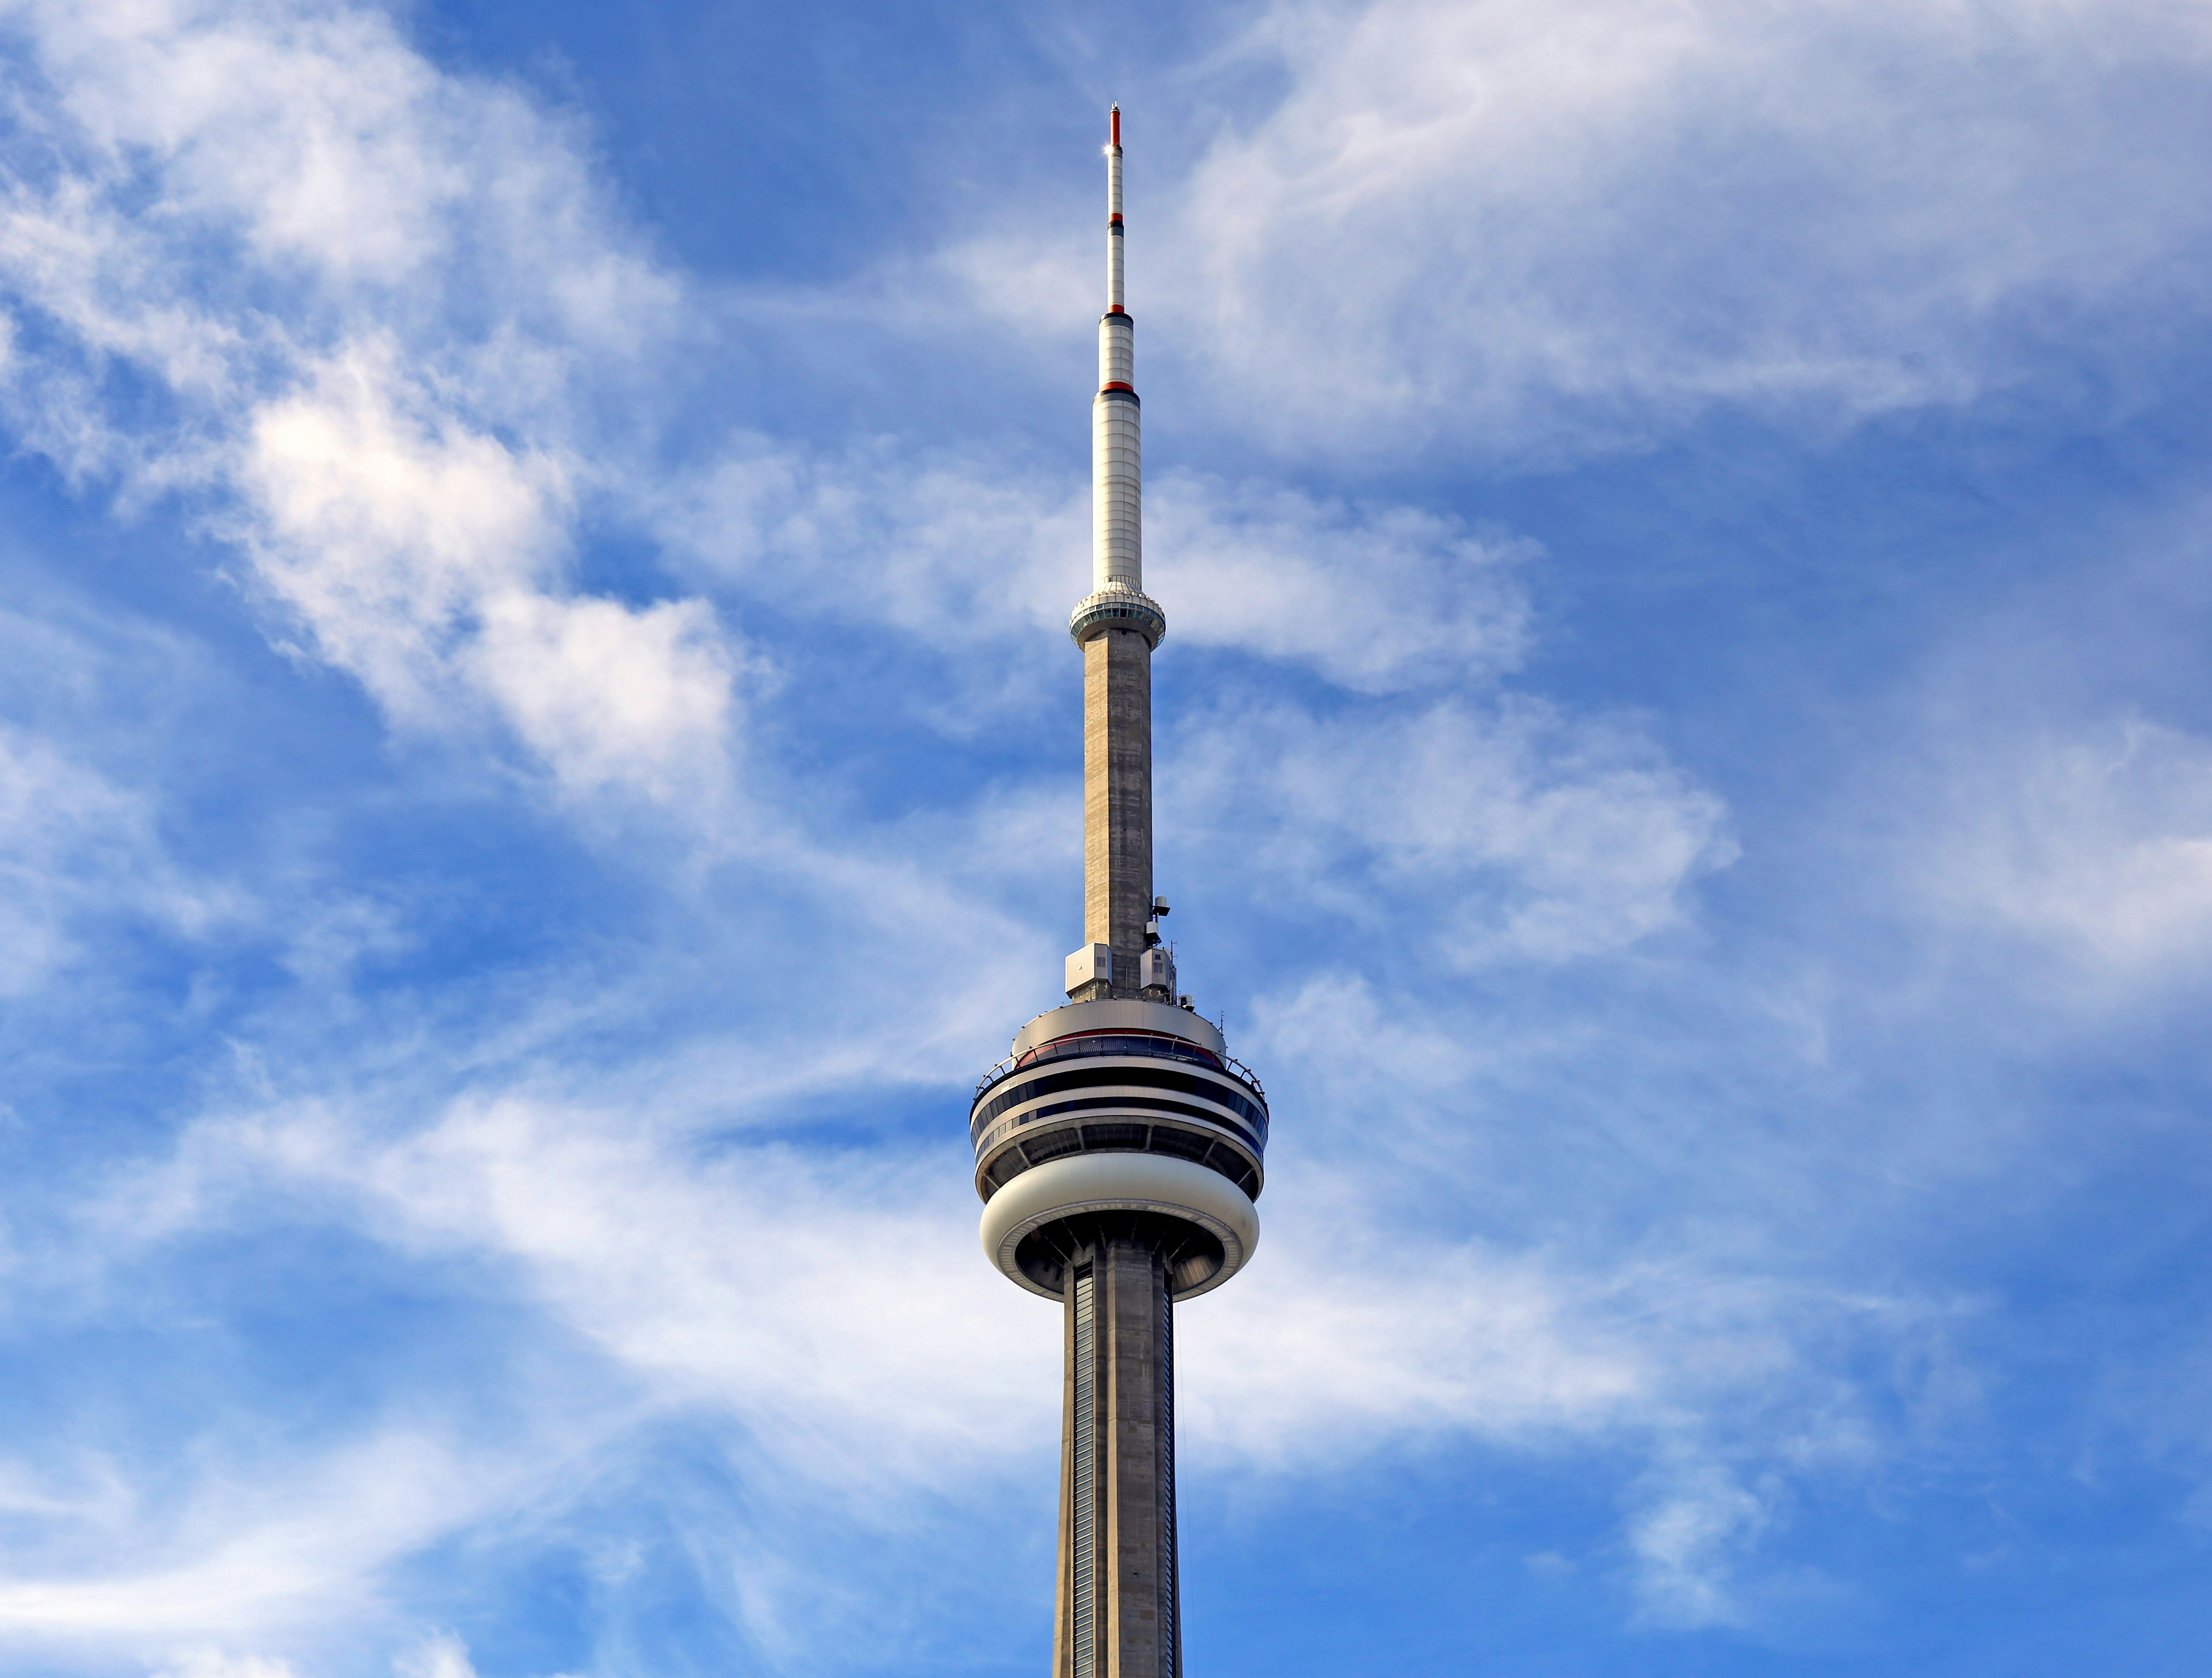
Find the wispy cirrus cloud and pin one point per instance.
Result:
(1375, 596)
(76, 849)
(1538, 231)
(2097, 849)
(206, 1662)
(1511, 833)
(335, 300)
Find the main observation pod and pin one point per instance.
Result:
(1118, 1122)
(1119, 1118)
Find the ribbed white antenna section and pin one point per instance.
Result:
(1117, 541)
(1117, 351)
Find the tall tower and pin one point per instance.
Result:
(1119, 1148)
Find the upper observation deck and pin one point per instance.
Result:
(1124, 1077)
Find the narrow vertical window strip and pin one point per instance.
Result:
(1084, 1448)
(1171, 1609)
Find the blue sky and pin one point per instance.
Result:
(537, 762)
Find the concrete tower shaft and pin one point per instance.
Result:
(1119, 1147)
(1117, 1470)
(1117, 803)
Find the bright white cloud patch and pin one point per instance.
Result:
(427, 558)
(1352, 1340)
(344, 274)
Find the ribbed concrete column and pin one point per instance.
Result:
(1117, 1611)
(1117, 797)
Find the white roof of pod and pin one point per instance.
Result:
(1119, 1015)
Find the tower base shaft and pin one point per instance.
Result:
(1117, 1614)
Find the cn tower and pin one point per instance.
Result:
(1119, 1147)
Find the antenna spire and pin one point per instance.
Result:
(1114, 212)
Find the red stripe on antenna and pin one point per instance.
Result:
(1114, 119)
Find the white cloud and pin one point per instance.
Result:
(363, 289)
(74, 847)
(2097, 847)
(1546, 227)
(248, 1550)
(779, 1283)
(387, 530)
(884, 534)
(837, 1303)
(1343, 1342)
(425, 558)
(1687, 1544)
(312, 142)
(442, 1656)
(1511, 832)
(214, 1664)
(1375, 596)
(831, 1304)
